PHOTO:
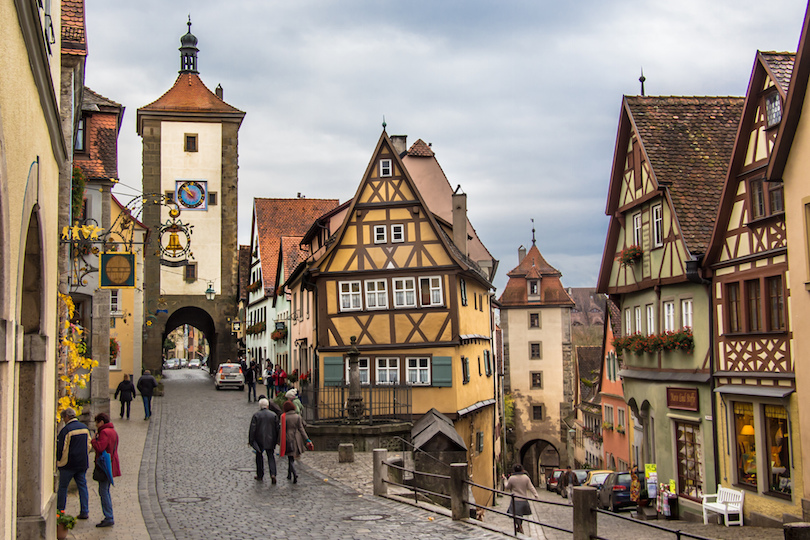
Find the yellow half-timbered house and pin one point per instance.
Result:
(754, 374)
(400, 280)
(671, 158)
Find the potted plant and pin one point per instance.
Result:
(628, 255)
(64, 523)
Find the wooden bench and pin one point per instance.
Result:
(726, 501)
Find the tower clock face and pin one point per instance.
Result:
(191, 194)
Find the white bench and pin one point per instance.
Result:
(726, 501)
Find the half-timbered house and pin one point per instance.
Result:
(671, 158)
(389, 272)
(617, 449)
(753, 371)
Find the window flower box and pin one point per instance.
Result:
(279, 334)
(629, 255)
(255, 286)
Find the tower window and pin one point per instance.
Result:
(190, 273)
(191, 142)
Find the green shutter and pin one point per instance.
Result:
(442, 371)
(333, 371)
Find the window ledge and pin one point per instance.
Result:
(779, 495)
(765, 219)
(757, 333)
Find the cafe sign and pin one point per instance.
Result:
(684, 399)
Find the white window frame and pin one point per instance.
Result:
(380, 234)
(386, 168)
(376, 294)
(686, 313)
(621, 417)
(435, 291)
(608, 415)
(349, 294)
(637, 313)
(650, 319)
(388, 366)
(658, 225)
(403, 286)
(419, 373)
(363, 370)
(115, 303)
(628, 321)
(397, 233)
(669, 316)
(637, 229)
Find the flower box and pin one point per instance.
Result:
(279, 334)
(629, 255)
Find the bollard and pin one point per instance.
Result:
(458, 491)
(796, 531)
(380, 471)
(584, 512)
(345, 453)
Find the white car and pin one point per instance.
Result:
(229, 375)
(194, 363)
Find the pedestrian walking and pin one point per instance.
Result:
(262, 437)
(72, 449)
(250, 379)
(146, 386)
(127, 391)
(294, 439)
(268, 378)
(292, 395)
(568, 480)
(520, 484)
(280, 380)
(106, 440)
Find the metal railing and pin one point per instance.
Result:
(381, 403)
(678, 533)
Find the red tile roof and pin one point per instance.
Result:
(533, 265)
(74, 34)
(781, 65)
(102, 124)
(689, 141)
(189, 94)
(292, 254)
(420, 149)
(275, 218)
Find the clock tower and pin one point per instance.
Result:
(190, 142)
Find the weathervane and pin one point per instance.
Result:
(533, 241)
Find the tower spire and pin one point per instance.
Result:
(188, 51)
(641, 80)
(533, 239)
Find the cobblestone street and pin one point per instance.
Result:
(194, 479)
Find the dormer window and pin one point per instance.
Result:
(534, 287)
(773, 108)
(385, 167)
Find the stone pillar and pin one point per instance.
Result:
(584, 512)
(380, 471)
(797, 531)
(355, 408)
(458, 491)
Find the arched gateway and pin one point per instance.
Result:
(539, 456)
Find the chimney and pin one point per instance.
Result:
(219, 91)
(400, 143)
(460, 221)
(521, 254)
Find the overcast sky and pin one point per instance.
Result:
(520, 99)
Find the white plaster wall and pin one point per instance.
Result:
(205, 165)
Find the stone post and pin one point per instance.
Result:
(796, 531)
(458, 491)
(380, 471)
(584, 512)
(354, 405)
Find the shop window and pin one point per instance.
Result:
(776, 431)
(745, 440)
(690, 460)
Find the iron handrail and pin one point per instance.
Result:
(677, 532)
(414, 471)
(434, 458)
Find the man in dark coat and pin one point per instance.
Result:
(262, 437)
(250, 379)
(127, 391)
(146, 386)
(72, 448)
(567, 481)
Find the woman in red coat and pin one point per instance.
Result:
(106, 439)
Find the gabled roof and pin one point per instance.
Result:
(777, 66)
(189, 97)
(292, 255)
(74, 32)
(92, 100)
(434, 423)
(275, 218)
(102, 126)
(534, 266)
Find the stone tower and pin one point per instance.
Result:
(190, 153)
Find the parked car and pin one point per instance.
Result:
(194, 363)
(551, 481)
(183, 362)
(615, 492)
(171, 363)
(582, 475)
(596, 478)
(229, 375)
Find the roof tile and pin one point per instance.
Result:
(781, 64)
(189, 94)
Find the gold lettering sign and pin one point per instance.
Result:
(684, 399)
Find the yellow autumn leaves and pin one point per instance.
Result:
(75, 368)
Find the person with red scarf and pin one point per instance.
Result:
(294, 440)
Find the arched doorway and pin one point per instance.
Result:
(538, 456)
(199, 319)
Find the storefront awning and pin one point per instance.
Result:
(756, 391)
(476, 406)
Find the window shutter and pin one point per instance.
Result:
(442, 371)
(333, 371)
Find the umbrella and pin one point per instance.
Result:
(105, 463)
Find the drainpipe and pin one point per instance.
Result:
(693, 274)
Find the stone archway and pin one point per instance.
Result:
(539, 455)
(200, 319)
(29, 459)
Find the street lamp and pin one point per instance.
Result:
(210, 293)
